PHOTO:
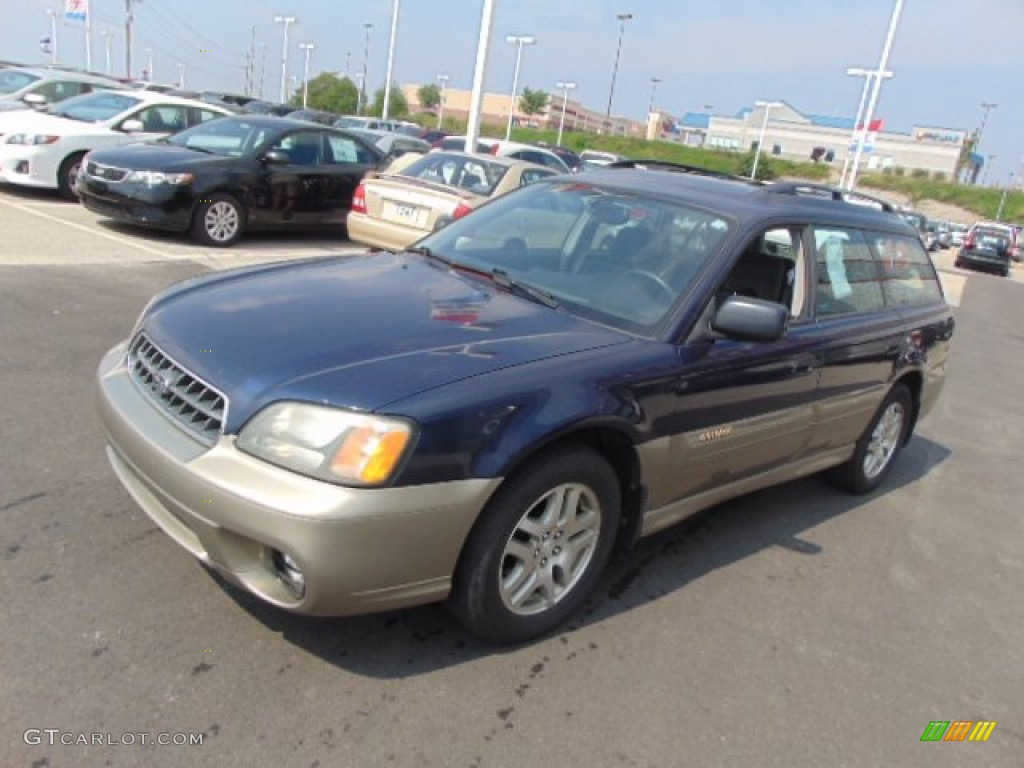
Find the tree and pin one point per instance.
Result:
(332, 93)
(398, 107)
(429, 96)
(533, 102)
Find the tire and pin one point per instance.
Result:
(527, 565)
(218, 221)
(66, 175)
(878, 447)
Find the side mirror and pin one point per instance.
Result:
(35, 100)
(276, 157)
(748, 319)
(133, 126)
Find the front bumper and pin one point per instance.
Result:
(28, 166)
(161, 208)
(360, 550)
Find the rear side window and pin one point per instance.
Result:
(849, 279)
(908, 276)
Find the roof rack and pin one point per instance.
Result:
(667, 165)
(808, 189)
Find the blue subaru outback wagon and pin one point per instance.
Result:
(481, 419)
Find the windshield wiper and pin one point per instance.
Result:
(422, 250)
(502, 278)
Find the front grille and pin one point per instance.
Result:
(189, 400)
(105, 172)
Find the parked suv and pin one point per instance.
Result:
(483, 418)
(988, 245)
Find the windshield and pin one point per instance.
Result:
(96, 107)
(227, 136)
(12, 80)
(469, 172)
(618, 258)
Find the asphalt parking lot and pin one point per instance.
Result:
(794, 627)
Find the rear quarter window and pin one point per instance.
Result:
(908, 275)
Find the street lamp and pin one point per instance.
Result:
(566, 87)
(361, 96)
(443, 80)
(876, 87)
(181, 75)
(519, 41)
(391, 59)
(308, 48)
(287, 21)
(623, 18)
(149, 65)
(654, 88)
(53, 34)
(987, 106)
(867, 74)
(106, 34)
(767, 107)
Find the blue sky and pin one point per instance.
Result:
(949, 56)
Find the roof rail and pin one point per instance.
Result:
(809, 189)
(667, 165)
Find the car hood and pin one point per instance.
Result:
(154, 156)
(360, 332)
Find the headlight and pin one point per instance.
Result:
(328, 443)
(32, 139)
(155, 178)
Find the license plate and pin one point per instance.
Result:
(404, 213)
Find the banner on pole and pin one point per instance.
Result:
(76, 10)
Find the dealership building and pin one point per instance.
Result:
(788, 133)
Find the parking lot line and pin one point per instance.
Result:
(82, 228)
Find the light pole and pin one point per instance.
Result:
(767, 107)
(287, 21)
(623, 18)
(149, 65)
(443, 80)
(181, 75)
(566, 87)
(987, 106)
(263, 66)
(1002, 199)
(519, 41)
(308, 48)
(391, 59)
(361, 96)
(476, 99)
(106, 34)
(867, 74)
(893, 21)
(53, 35)
(654, 88)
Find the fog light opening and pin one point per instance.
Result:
(290, 574)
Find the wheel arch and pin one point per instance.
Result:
(914, 382)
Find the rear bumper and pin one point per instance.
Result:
(976, 258)
(377, 233)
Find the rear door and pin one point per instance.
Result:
(863, 338)
(346, 161)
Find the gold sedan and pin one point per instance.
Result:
(394, 209)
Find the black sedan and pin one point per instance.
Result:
(226, 176)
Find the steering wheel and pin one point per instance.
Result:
(656, 280)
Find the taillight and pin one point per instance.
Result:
(969, 241)
(359, 199)
(461, 211)
(494, 149)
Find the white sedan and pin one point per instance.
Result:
(46, 149)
